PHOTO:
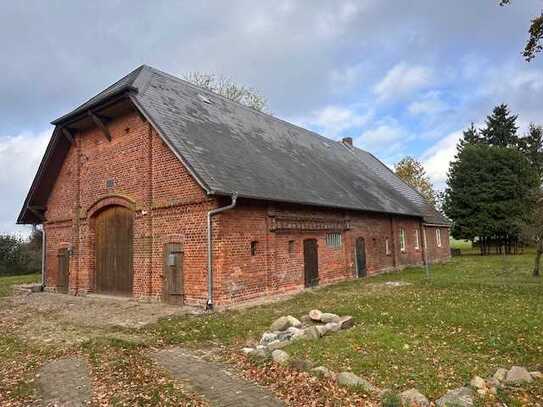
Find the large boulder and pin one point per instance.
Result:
(536, 375)
(283, 323)
(315, 315)
(333, 326)
(351, 380)
(277, 345)
(478, 383)
(414, 398)
(322, 329)
(518, 375)
(500, 374)
(311, 333)
(321, 371)
(268, 337)
(329, 317)
(280, 356)
(461, 397)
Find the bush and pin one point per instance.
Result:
(18, 256)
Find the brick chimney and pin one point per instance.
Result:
(348, 141)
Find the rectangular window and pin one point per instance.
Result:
(253, 247)
(417, 240)
(333, 240)
(402, 240)
(387, 247)
(291, 247)
(438, 237)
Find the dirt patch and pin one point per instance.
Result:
(48, 317)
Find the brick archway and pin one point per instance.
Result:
(109, 200)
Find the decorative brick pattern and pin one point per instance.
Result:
(137, 170)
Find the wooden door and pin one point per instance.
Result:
(114, 235)
(360, 250)
(311, 263)
(63, 270)
(173, 273)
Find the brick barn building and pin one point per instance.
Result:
(132, 178)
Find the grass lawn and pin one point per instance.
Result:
(6, 282)
(469, 317)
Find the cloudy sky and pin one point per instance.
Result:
(399, 76)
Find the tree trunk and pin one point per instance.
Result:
(538, 254)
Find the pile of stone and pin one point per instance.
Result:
(317, 324)
(287, 328)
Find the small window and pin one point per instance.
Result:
(402, 240)
(333, 240)
(438, 237)
(291, 247)
(254, 244)
(387, 247)
(417, 239)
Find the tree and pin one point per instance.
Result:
(534, 44)
(18, 256)
(229, 89)
(532, 147)
(412, 172)
(489, 195)
(501, 128)
(533, 231)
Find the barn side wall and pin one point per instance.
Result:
(278, 231)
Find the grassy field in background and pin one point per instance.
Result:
(6, 282)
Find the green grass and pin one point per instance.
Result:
(6, 282)
(460, 244)
(469, 317)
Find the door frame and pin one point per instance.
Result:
(309, 280)
(176, 250)
(63, 268)
(356, 253)
(97, 211)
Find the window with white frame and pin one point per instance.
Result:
(387, 247)
(417, 239)
(402, 240)
(438, 237)
(333, 240)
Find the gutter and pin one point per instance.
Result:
(210, 214)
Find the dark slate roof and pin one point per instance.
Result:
(231, 148)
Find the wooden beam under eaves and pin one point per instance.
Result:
(101, 125)
(68, 134)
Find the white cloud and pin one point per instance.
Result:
(437, 158)
(387, 139)
(333, 120)
(430, 103)
(401, 80)
(19, 159)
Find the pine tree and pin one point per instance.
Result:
(532, 147)
(501, 128)
(470, 136)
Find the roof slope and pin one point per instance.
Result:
(231, 148)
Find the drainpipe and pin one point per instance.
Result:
(210, 214)
(43, 248)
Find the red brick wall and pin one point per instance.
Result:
(169, 206)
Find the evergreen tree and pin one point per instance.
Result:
(501, 128)
(489, 194)
(470, 136)
(532, 147)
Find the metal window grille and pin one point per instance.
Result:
(333, 240)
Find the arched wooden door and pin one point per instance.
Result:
(114, 235)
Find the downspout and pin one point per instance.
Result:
(43, 258)
(210, 214)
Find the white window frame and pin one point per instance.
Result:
(403, 245)
(387, 246)
(417, 239)
(438, 237)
